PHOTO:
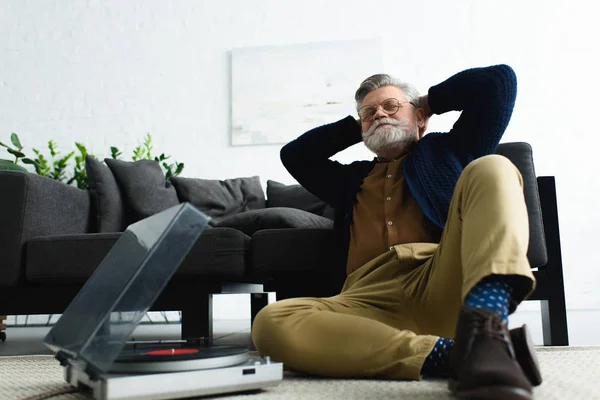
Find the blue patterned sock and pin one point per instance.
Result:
(437, 363)
(493, 294)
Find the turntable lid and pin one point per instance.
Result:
(103, 315)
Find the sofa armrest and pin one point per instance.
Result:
(33, 206)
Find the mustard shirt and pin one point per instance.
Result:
(385, 215)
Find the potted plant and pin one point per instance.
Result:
(55, 166)
(10, 165)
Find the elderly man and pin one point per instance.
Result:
(433, 234)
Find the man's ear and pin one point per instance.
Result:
(421, 121)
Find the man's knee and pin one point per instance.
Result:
(492, 169)
(265, 318)
(268, 324)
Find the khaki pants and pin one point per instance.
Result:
(392, 310)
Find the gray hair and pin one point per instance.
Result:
(376, 81)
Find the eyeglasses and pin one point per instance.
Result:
(389, 106)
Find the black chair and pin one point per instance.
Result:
(544, 244)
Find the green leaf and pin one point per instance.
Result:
(53, 149)
(67, 157)
(7, 165)
(28, 161)
(15, 140)
(16, 153)
(138, 153)
(4, 145)
(114, 152)
(82, 149)
(179, 169)
(148, 146)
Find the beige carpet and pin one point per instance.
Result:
(569, 373)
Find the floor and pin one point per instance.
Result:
(584, 330)
(568, 373)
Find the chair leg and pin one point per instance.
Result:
(197, 320)
(554, 310)
(554, 324)
(257, 302)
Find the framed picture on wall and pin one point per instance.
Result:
(279, 92)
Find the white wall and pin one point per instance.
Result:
(106, 72)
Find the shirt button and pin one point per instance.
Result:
(388, 199)
(390, 222)
(389, 175)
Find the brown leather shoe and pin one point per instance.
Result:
(483, 361)
(525, 352)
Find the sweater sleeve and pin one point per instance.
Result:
(486, 97)
(307, 158)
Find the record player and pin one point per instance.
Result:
(90, 339)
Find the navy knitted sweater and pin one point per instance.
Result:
(485, 97)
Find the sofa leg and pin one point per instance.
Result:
(2, 328)
(258, 301)
(197, 320)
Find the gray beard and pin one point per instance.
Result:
(399, 135)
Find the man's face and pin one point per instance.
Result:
(378, 96)
(389, 132)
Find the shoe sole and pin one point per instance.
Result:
(525, 352)
(490, 392)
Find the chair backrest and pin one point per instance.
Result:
(520, 153)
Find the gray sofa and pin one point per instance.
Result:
(53, 236)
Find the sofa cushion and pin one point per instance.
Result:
(65, 259)
(296, 196)
(273, 218)
(221, 199)
(276, 251)
(297, 262)
(143, 185)
(71, 259)
(108, 206)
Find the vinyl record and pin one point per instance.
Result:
(182, 357)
